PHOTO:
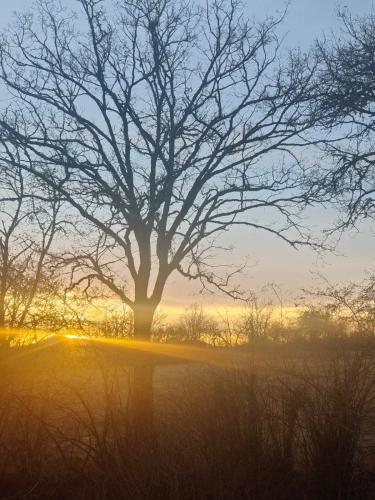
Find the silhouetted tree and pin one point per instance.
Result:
(347, 103)
(256, 319)
(163, 124)
(353, 304)
(195, 324)
(28, 225)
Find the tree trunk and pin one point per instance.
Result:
(143, 317)
(2, 309)
(141, 393)
(141, 403)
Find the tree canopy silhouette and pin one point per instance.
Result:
(163, 124)
(347, 103)
(30, 220)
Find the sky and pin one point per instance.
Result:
(270, 260)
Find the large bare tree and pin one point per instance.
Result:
(347, 105)
(163, 124)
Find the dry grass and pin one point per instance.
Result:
(301, 429)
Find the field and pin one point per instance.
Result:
(225, 423)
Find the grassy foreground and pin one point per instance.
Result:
(242, 424)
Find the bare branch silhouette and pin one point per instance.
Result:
(29, 222)
(163, 125)
(347, 104)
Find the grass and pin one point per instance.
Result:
(274, 428)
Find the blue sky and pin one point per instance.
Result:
(272, 260)
(305, 20)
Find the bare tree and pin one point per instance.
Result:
(347, 103)
(163, 124)
(28, 225)
(352, 303)
(256, 319)
(196, 324)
